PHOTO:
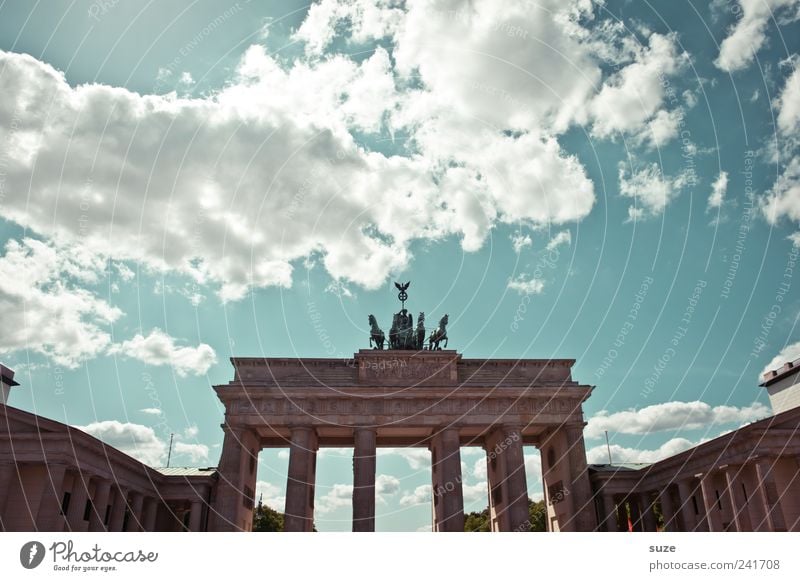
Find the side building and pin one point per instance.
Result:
(745, 480)
(54, 477)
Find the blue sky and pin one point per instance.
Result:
(617, 183)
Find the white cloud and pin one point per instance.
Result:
(151, 411)
(633, 97)
(783, 199)
(477, 492)
(186, 79)
(273, 496)
(651, 190)
(339, 496)
(661, 129)
(787, 354)
(158, 348)
(386, 484)
(417, 458)
(42, 307)
(152, 179)
(620, 454)
(671, 415)
(563, 237)
(748, 34)
(718, 190)
(195, 452)
(523, 286)
(788, 104)
(520, 241)
(420, 495)
(124, 272)
(135, 440)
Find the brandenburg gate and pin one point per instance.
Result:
(407, 396)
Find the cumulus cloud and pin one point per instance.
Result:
(135, 440)
(151, 411)
(339, 496)
(420, 495)
(142, 443)
(633, 97)
(270, 494)
(160, 173)
(43, 307)
(788, 354)
(718, 190)
(621, 454)
(185, 184)
(651, 189)
(672, 415)
(788, 104)
(526, 286)
(563, 237)
(196, 452)
(158, 348)
(417, 458)
(748, 34)
(520, 241)
(386, 484)
(783, 199)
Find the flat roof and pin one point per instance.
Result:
(187, 471)
(789, 368)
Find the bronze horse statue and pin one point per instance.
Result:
(376, 334)
(438, 335)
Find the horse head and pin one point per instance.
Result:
(445, 320)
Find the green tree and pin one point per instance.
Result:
(537, 512)
(479, 522)
(267, 520)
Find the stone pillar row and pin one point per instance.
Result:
(101, 495)
(736, 498)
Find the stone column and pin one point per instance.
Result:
(7, 473)
(195, 515)
(649, 522)
(686, 505)
(150, 514)
(364, 464)
(608, 513)
(508, 489)
(709, 503)
(786, 475)
(100, 505)
(299, 513)
(580, 488)
(667, 510)
(118, 509)
(446, 489)
(48, 516)
(135, 519)
(235, 494)
(768, 496)
(739, 512)
(636, 514)
(77, 502)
